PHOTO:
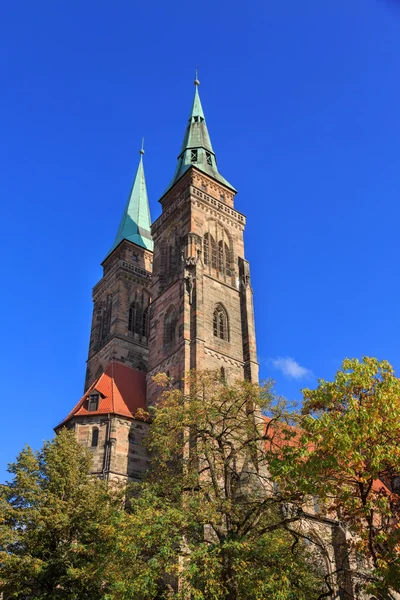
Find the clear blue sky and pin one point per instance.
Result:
(302, 104)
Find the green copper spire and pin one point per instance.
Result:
(197, 150)
(135, 224)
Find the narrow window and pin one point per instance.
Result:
(93, 402)
(206, 249)
(196, 119)
(209, 251)
(145, 322)
(221, 262)
(135, 318)
(220, 323)
(213, 254)
(208, 158)
(106, 319)
(193, 156)
(228, 261)
(223, 375)
(95, 437)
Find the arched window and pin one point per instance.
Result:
(95, 437)
(170, 323)
(209, 250)
(220, 323)
(135, 320)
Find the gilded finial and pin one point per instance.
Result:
(142, 148)
(196, 81)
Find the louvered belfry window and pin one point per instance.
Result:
(93, 402)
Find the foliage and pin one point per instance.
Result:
(61, 530)
(210, 468)
(349, 456)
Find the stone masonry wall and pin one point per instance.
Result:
(194, 285)
(127, 278)
(120, 453)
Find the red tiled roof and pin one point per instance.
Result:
(122, 392)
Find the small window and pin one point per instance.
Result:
(134, 257)
(208, 158)
(196, 119)
(193, 156)
(95, 437)
(220, 323)
(222, 197)
(93, 402)
(223, 374)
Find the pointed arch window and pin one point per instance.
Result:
(220, 323)
(209, 250)
(95, 437)
(170, 323)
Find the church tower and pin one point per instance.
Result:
(110, 417)
(202, 306)
(191, 309)
(121, 299)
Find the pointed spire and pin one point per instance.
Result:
(197, 150)
(135, 224)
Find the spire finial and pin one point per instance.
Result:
(142, 148)
(196, 81)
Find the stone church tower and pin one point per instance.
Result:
(202, 308)
(190, 309)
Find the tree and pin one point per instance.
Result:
(230, 527)
(62, 531)
(349, 457)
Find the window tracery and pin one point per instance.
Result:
(220, 323)
(217, 255)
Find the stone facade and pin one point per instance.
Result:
(126, 279)
(191, 310)
(199, 267)
(119, 454)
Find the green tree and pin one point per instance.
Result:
(349, 456)
(61, 529)
(211, 493)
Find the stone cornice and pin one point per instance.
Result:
(206, 202)
(142, 276)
